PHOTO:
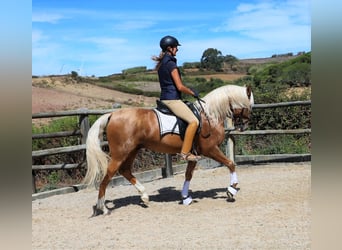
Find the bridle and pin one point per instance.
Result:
(238, 121)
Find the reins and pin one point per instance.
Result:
(206, 116)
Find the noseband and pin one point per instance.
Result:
(240, 124)
(238, 121)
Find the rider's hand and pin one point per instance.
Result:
(196, 95)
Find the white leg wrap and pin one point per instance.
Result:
(100, 203)
(187, 201)
(145, 198)
(185, 191)
(233, 178)
(232, 190)
(139, 187)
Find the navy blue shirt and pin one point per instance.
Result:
(168, 88)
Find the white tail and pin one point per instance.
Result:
(97, 160)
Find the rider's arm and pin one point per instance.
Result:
(178, 81)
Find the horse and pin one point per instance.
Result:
(130, 129)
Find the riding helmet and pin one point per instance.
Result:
(167, 41)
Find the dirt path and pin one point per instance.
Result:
(272, 211)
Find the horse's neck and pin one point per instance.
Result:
(206, 119)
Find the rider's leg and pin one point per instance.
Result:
(187, 144)
(180, 109)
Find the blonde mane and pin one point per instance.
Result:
(217, 102)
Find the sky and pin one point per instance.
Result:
(100, 38)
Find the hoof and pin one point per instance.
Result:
(145, 198)
(187, 200)
(231, 192)
(230, 197)
(96, 211)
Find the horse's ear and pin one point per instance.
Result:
(249, 91)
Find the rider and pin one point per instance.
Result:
(171, 88)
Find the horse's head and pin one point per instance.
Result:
(242, 115)
(239, 101)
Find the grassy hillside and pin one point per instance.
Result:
(283, 81)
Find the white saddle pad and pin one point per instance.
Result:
(167, 123)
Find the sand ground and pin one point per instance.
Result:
(271, 211)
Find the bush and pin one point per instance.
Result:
(272, 144)
(294, 72)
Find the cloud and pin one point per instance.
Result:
(254, 29)
(46, 17)
(108, 41)
(105, 42)
(133, 25)
(268, 17)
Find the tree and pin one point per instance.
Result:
(230, 60)
(74, 75)
(212, 59)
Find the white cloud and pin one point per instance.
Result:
(108, 41)
(133, 25)
(46, 17)
(268, 16)
(281, 26)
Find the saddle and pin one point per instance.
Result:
(182, 125)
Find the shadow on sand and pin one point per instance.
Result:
(167, 194)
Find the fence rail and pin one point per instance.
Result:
(167, 171)
(272, 132)
(282, 104)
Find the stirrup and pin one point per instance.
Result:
(190, 157)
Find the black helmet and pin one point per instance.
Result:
(167, 41)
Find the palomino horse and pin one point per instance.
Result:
(130, 129)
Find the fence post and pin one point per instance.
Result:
(34, 188)
(84, 127)
(167, 171)
(230, 148)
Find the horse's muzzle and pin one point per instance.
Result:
(243, 127)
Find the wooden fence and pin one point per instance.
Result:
(167, 169)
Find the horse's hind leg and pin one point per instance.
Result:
(100, 207)
(126, 172)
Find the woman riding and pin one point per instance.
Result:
(171, 88)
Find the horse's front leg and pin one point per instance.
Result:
(187, 199)
(216, 154)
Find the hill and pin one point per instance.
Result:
(57, 93)
(67, 92)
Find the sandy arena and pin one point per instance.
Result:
(271, 211)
